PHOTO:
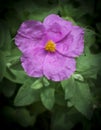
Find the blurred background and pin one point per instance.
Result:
(85, 13)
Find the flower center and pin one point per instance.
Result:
(50, 46)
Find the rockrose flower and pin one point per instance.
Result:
(49, 48)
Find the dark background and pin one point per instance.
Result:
(92, 18)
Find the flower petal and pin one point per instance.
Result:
(73, 44)
(57, 67)
(32, 62)
(57, 28)
(30, 34)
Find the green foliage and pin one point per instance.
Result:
(59, 96)
(5, 37)
(19, 115)
(89, 37)
(60, 120)
(65, 119)
(5, 44)
(8, 88)
(26, 95)
(14, 71)
(78, 94)
(37, 108)
(2, 65)
(37, 84)
(88, 64)
(48, 97)
(81, 11)
(69, 10)
(13, 20)
(24, 118)
(31, 9)
(68, 102)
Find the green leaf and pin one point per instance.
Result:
(45, 81)
(13, 56)
(48, 97)
(37, 84)
(88, 65)
(16, 76)
(78, 77)
(26, 95)
(14, 71)
(69, 88)
(79, 95)
(82, 100)
(59, 96)
(70, 19)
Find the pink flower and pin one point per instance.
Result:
(49, 48)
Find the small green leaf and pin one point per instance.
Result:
(26, 95)
(48, 97)
(70, 19)
(37, 84)
(45, 82)
(78, 77)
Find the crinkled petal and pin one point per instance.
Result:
(30, 34)
(32, 62)
(57, 67)
(57, 28)
(73, 44)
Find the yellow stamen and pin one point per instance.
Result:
(50, 46)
